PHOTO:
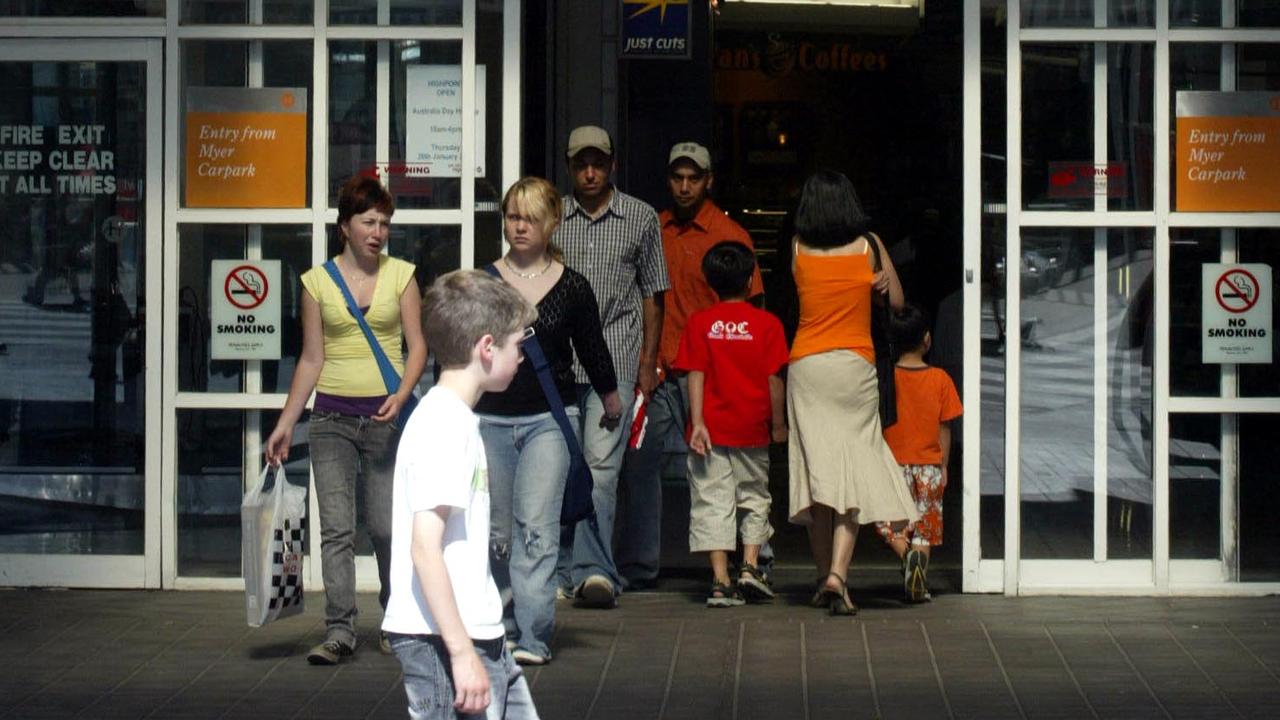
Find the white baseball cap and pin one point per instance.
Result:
(691, 151)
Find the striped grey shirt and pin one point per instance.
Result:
(620, 253)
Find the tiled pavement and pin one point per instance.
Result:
(107, 654)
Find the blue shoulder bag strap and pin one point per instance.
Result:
(390, 377)
(533, 351)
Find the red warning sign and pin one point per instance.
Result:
(245, 287)
(1237, 290)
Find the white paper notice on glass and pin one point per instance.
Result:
(433, 125)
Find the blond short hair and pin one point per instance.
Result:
(538, 199)
(465, 305)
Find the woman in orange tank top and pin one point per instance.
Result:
(842, 474)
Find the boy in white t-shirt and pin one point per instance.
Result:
(444, 617)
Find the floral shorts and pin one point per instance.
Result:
(926, 485)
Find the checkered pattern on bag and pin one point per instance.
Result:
(287, 546)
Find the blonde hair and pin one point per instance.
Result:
(465, 305)
(538, 199)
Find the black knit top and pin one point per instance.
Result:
(567, 314)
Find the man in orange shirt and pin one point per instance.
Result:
(690, 227)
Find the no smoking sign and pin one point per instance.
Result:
(1236, 313)
(245, 310)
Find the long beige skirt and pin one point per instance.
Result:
(837, 453)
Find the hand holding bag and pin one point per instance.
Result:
(886, 351)
(274, 526)
(390, 378)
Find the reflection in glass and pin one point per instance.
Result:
(200, 246)
(1056, 459)
(1259, 65)
(991, 463)
(1130, 123)
(433, 249)
(1056, 143)
(1195, 13)
(72, 309)
(1130, 346)
(352, 111)
(1195, 487)
(211, 481)
(1057, 13)
(1131, 13)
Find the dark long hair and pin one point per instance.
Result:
(829, 214)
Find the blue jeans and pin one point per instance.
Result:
(428, 679)
(586, 547)
(351, 455)
(640, 524)
(528, 463)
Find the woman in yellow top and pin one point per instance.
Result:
(842, 473)
(353, 442)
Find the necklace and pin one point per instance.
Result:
(526, 275)
(360, 279)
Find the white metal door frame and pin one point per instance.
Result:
(115, 571)
(1099, 575)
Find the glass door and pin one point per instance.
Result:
(79, 259)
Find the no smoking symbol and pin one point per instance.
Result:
(1237, 290)
(245, 287)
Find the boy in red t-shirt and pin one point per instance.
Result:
(921, 443)
(733, 353)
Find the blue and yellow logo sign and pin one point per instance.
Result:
(656, 29)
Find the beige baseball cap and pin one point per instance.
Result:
(691, 151)
(589, 136)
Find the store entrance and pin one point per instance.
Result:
(879, 98)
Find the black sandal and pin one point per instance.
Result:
(839, 602)
(753, 584)
(724, 596)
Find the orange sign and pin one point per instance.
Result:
(246, 147)
(1228, 152)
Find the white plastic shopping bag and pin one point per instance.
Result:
(274, 527)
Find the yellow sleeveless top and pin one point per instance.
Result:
(349, 368)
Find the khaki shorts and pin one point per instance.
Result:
(727, 483)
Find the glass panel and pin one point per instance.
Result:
(1258, 66)
(1195, 13)
(1258, 13)
(403, 12)
(274, 12)
(225, 63)
(1262, 246)
(1191, 67)
(199, 246)
(1130, 126)
(1131, 13)
(1130, 347)
(1259, 499)
(1057, 144)
(1056, 458)
(1191, 248)
(490, 50)
(1195, 487)
(1057, 13)
(991, 453)
(82, 8)
(417, 190)
(353, 113)
(72, 303)
(433, 249)
(211, 484)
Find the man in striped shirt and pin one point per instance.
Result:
(615, 241)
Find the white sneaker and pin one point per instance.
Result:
(524, 657)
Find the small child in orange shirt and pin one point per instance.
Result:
(921, 443)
